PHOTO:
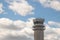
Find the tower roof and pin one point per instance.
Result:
(38, 21)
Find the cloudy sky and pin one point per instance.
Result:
(16, 18)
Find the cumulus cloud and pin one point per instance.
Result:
(54, 24)
(21, 7)
(8, 23)
(22, 30)
(52, 33)
(55, 4)
(10, 30)
(1, 8)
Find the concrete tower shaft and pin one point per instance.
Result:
(38, 29)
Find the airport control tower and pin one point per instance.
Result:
(38, 29)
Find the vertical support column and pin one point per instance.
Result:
(38, 35)
(38, 29)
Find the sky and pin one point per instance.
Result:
(16, 19)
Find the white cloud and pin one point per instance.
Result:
(55, 4)
(22, 7)
(19, 24)
(52, 33)
(16, 28)
(54, 24)
(11, 30)
(1, 8)
(5, 21)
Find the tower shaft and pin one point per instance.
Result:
(38, 35)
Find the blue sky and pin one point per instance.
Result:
(49, 14)
(17, 16)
